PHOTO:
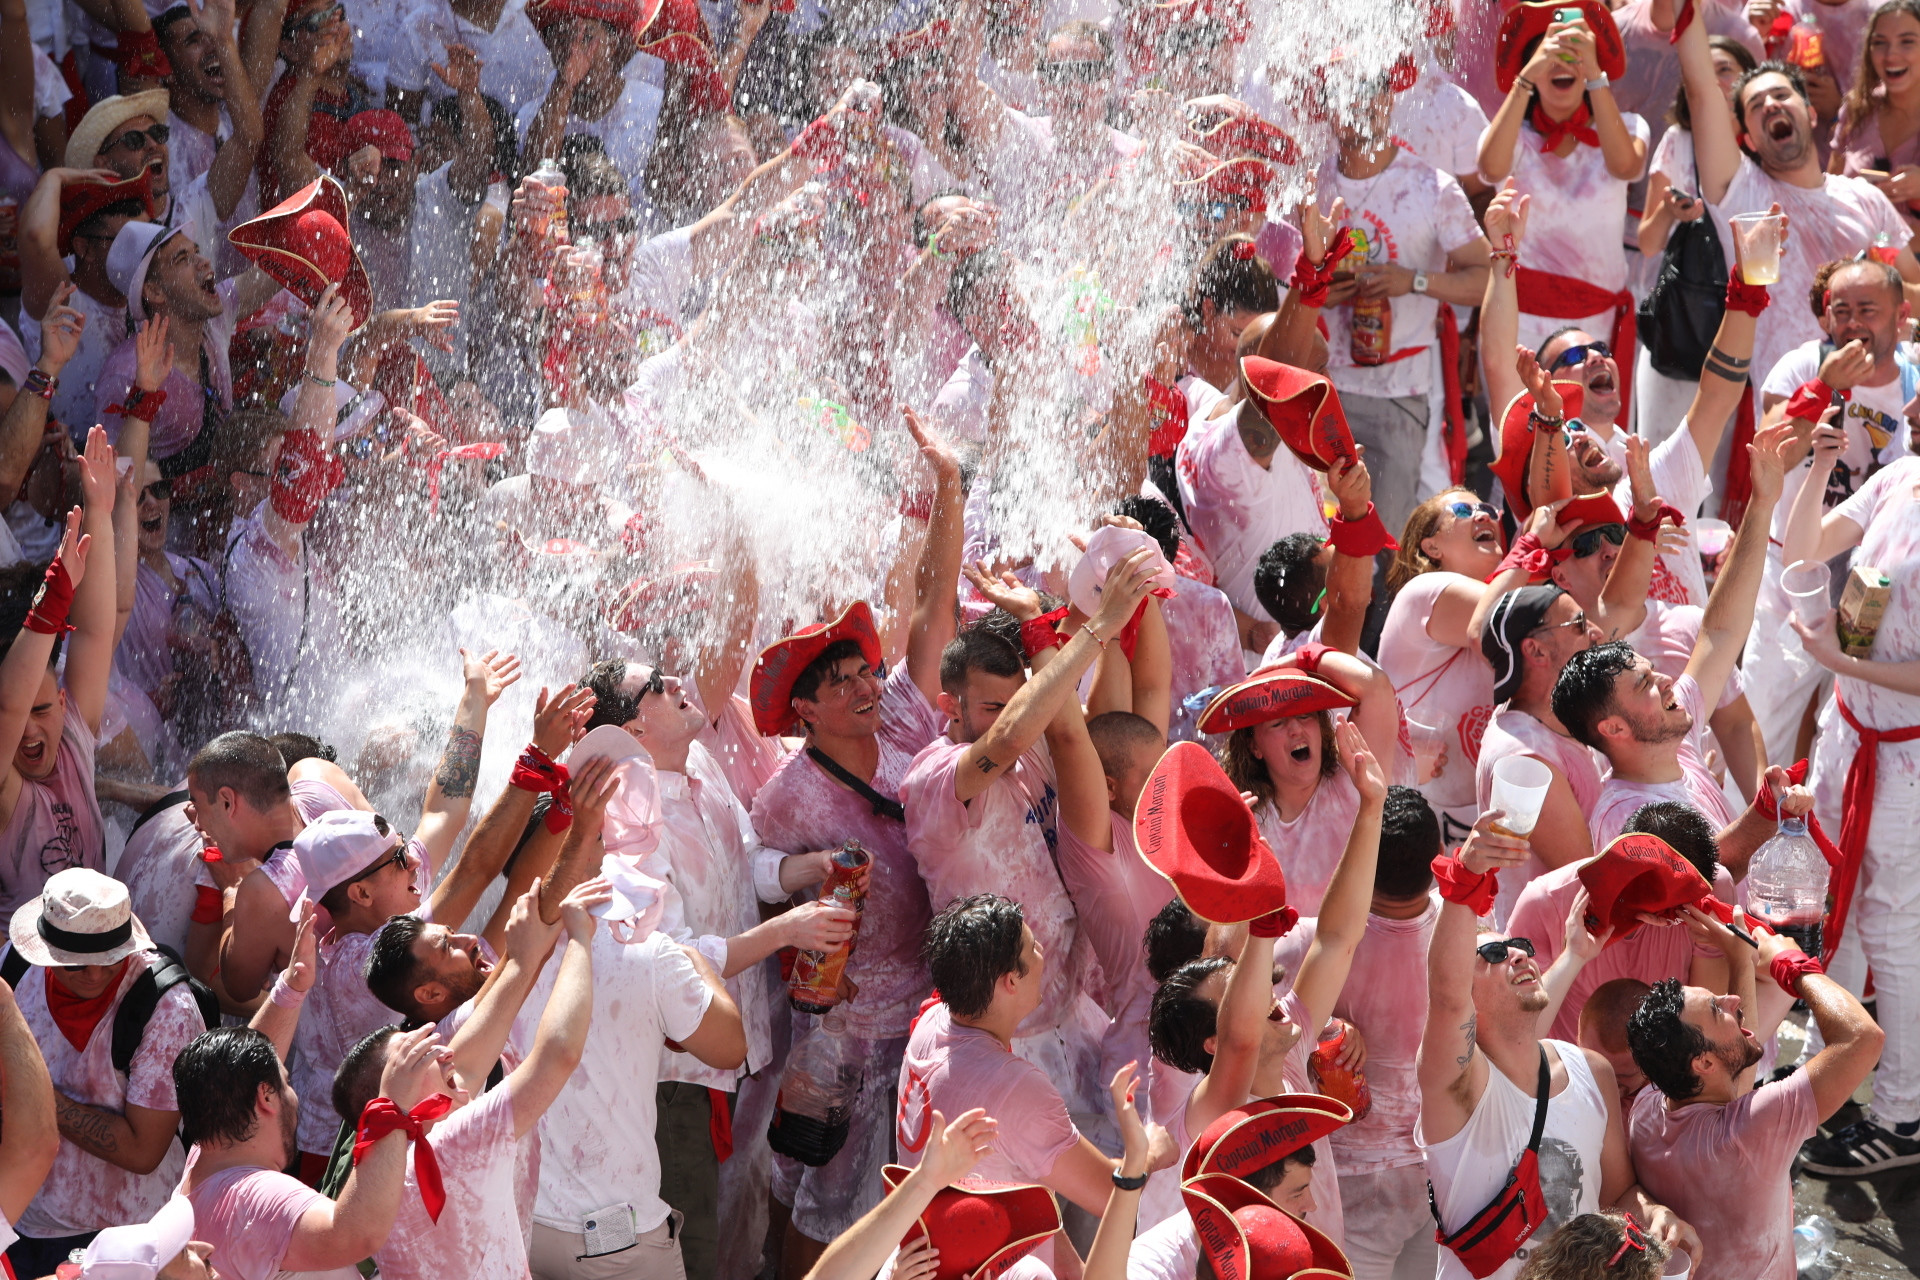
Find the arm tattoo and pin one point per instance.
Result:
(460, 765)
(88, 1128)
(1469, 1027)
(1730, 368)
(985, 765)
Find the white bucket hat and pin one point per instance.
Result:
(140, 1251)
(81, 917)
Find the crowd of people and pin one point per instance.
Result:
(764, 639)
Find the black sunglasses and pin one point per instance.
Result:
(1496, 952)
(159, 491)
(313, 21)
(398, 857)
(1079, 72)
(655, 683)
(1578, 354)
(1587, 541)
(135, 138)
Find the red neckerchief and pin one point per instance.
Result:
(1554, 132)
(77, 1017)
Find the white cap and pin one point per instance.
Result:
(131, 255)
(139, 1252)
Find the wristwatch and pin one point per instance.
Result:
(1129, 1184)
(1600, 81)
(1419, 282)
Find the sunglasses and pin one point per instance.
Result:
(1058, 73)
(398, 857)
(1496, 952)
(1464, 510)
(158, 491)
(313, 21)
(1578, 354)
(1587, 541)
(135, 139)
(1578, 622)
(1631, 1238)
(655, 683)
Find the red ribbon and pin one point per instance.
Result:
(1459, 885)
(1739, 486)
(1529, 553)
(1552, 297)
(307, 472)
(140, 404)
(1649, 530)
(1750, 298)
(1274, 924)
(382, 1117)
(1307, 657)
(1037, 635)
(1790, 966)
(1315, 282)
(1682, 22)
(49, 613)
(1810, 400)
(1856, 822)
(536, 771)
(1170, 418)
(1553, 132)
(1361, 538)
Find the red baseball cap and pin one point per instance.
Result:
(1531, 18)
(302, 242)
(1516, 442)
(1248, 1237)
(1271, 693)
(780, 664)
(981, 1228)
(386, 130)
(1193, 828)
(1303, 407)
(1263, 1132)
(1634, 874)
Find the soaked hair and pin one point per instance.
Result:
(248, 763)
(1664, 1046)
(1249, 772)
(978, 648)
(1233, 278)
(1157, 518)
(295, 747)
(356, 1081)
(970, 946)
(216, 1082)
(1181, 1018)
(1685, 828)
(610, 706)
(1409, 562)
(1081, 29)
(1288, 581)
(1409, 842)
(1680, 113)
(1583, 694)
(1174, 936)
(1583, 1247)
(807, 684)
(392, 971)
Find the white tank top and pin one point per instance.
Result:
(1468, 1169)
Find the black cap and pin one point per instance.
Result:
(1515, 616)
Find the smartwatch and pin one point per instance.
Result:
(1419, 282)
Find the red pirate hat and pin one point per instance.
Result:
(780, 664)
(1303, 407)
(674, 31)
(82, 199)
(1238, 136)
(1516, 441)
(681, 592)
(1244, 179)
(981, 1228)
(1637, 873)
(302, 242)
(1401, 76)
(1263, 1132)
(1271, 693)
(912, 44)
(1248, 1237)
(622, 15)
(1193, 828)
(1531, 18)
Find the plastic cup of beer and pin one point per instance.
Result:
(1756, 245)
(1519, 789)
(1428, 741)
(1806, 583)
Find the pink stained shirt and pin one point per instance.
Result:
(1001, 841)
(248, 1215)
(1578, 211)
(748, 759)
(1116, 894)
(1439, 684)
(952, 1069)
(1203, 639)
(1515, 733)
(55, 822)
(1310, 846)
(1648, 953)
(802, 808)
(1688, 1157)
(82, 1192)
(159, 867)
(481, 1232)
(1619, 799)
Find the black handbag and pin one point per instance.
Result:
(1681, 313)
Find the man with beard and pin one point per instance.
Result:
(212, 78)
(239, 1115)
(1702, 1116)
(1482, 1063)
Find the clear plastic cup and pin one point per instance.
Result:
(1756, 245)
(1429, 742)
(1806, 583)
(1519, 789)
(1679, 1266)
(1711, 538)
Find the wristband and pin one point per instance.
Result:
(140, 403)
(1274, 924)
(1529, 553)
(821, 143)
(1750, 298)
(1314, 282)
(1537, 421)
(1475, 892)
(40, 384)
(318, 381)
(382, 1117)
(49, 613)
(1129, 1184)
(1790, 966)
(536, 771)
(1681, 22)
(1094, 636)
(283, 994)
(1037, 635)
(1307, 657)
(209, 904)
(1649, 530)
(1811, 400)
(1361, 538)
(1508, 256)
(1600, 81)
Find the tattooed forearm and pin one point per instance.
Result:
(1467, 1029)
(1730, 368)
(460, 765)
(92, 1130)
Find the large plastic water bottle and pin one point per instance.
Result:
(1787, 884)
(1812, 1242)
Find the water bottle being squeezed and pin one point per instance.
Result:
(1787, 884)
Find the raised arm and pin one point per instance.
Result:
(1506, 223)
(95, 608)
(450, 795)
(1343, 912)
(31, 652)
(1716, 151)
(1851, 1039)
(562, 1037)
(1114, 1239)
(593, 786)
(233, 162)
(1349, 577)
(1729, 614)
(30, 1139)
(1578, 948)
(938, 572)
(1294, 336)
(16, 78)
(1809, 535)
(1723, 378)
(951, 1153)
(23, 427)
(1240, 1031)
(279, 1014)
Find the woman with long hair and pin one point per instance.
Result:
(1878, 134)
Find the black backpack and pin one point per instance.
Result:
(1681, 313)
(142, 998)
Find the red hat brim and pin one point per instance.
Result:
(1637, 873)
(1516, 442)
(269, 243)
(1590, 511)
(1303, 408)
(1252, 1137)
(1248, 1237)
(1272, 693)
(1238, 136)
(80, 200)
(1532, 18)
(1193, 828)
(674, 31)
(1242, 178)
(981, 1228)
(780, 665)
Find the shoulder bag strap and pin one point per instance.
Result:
(882, 806)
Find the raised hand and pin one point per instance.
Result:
(1487, 850)
(416, 1068)
(1351, 484)
(594, 785)
(1133, 1132)
(1544, 523)
(1583, 945)
(576, 909)
(1369, 779)
(489, 674)
(305, 965)
(1539, 383)
(1848, 366)
(97, 471)
(1004, 591)
(327, 328)
(434, 322)
(954, 1149)
(461, 71)
(60, 332)
(1318, 229)
(1507, 215)
(1769, 459)
(528, 939)
(560, 718)
(152, 354)
(1126, 586)
(933, 447)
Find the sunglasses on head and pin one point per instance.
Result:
(1632, 1237)
(1577, 355)
(313, 21)
(134, 139)
(1587, 541)
(1464, 510)
(1496, 952)
(1080, 72)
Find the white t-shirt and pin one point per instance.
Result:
(1439, 684)
(1888, 509)
(1680, 478)
(107, 327)
(1578, 212)
(961, 405)
(1239, 508)
(1412, 215)
(1309, 847)
(1874, 420)
(514, 65)
(1673, 158)
(628, 129)
(1440, 122)
(479, 1234)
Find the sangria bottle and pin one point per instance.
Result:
(815, 985)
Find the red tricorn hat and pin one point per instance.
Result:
(674, 31)
(1531, 18)
(1263, 1132)
(1516, 441)
(1271, 693)
(80, 200)
(1238, 136)
(1245, 180)
(1637, 873)
(981, 1228)
(1303, 407)
(682, 592)
(1193, 828)
(780, 664)
(912, 44)
(1248, 1237)
(302, 242)
(622, 15)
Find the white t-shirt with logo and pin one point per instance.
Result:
(1874, 419)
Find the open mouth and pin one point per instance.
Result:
(1601, 382)
(1301, 753)
(1780, 128)
(1563, 80)
(865, 708)
(1485, 537)
(33, 752)
(152, 526)
(482, 965)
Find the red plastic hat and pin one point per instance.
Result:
(1590, 511)
(1248, 1237)
(1193, 828)
(302, 242)
(674, 31)
(682, 592)
(622, 15)
(780, 665)
(981, 1228)
(1531, 18)
(1263, 1132)
(1303, 407)
(1516, 441)
(384, 129)
(1244, 179)
(1271, 693)
(80, 200)
(1238, 136)
(1637, 873)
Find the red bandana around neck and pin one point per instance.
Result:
(1554, 132)
(77, 1017)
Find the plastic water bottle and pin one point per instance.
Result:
(1812, 1242)
(813, 1113)
(1787, 884)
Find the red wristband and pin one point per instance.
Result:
(1475, 892)
(1811, 400)
(1307, 657)
(1649, 530)
(140, 404)
(1682, 22)
(1037, 634)
(49, 613)
(209, 904)
(820, 142)
(1274, 924)
(1790, 966)
(1315, 282)
(1361, 538)
(1528, 553)
(1750, 298)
